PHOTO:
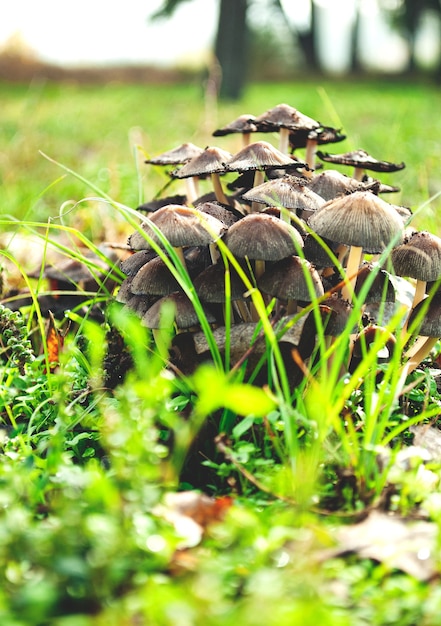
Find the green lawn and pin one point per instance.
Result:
(104, 133)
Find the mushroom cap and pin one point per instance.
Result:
(381, 289)
(135, 261)
(288, 191)
(336, 312)
(210, 161)
(176, 156)
(227, 215)
(360, 158)
(185, 314)
(430, 325)
(284, 116)
(153, 205)
(323, 135)
(332, 183)
(264, 237)
(314, 252)
(154, 278)
(360, 219)
(260, 155)
(286, 280)
(242, 124)
(210, 284)
(419, 257)
(182, 226)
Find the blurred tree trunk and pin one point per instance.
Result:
(231, 47)
(356, 66)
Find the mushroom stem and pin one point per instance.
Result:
(243, 310)
(352, 267)
(284, 140)
(420, 292)
(311, 148)
(421, 353)
(191, 189)
(259, 177)
(358, 173)
(418, 296)
(218, 191)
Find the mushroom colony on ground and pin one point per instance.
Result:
(298, 230)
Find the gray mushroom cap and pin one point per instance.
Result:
(360, 219)
(361, 159)
(286, 280)
(264, 237)
(154, 278)
(284, 116)
(210, 161)
(419, 257)
(242, 124)
(261, 155)
(430, 324)
(185, 314)
(288, 191)
(182, 226)
(181, 154)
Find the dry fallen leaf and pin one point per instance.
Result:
(190, 512)
(393, 541)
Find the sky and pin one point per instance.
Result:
(101, 31)
(88, 31)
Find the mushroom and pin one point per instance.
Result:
(185, 317)
(262, 238)
(289, 192)
(362, 221)
(332, 183)
(244, 125)
(178, 156)
(360, 160)
(211, 288)
(428, 314)
(259, 157)
(310, 139)
(287, 281)
(419, 258)
(181, 226)
(284, 119)
(365, 339)
(210, 162)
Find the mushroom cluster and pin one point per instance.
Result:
(284, 226)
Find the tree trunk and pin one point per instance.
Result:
(231, 47)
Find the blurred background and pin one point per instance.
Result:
(229, 42)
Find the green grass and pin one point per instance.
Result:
(104, 134)
(84, 467)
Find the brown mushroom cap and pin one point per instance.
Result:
(264, 237)
(260, 155)
(210, 284)
(430, 324)
(419, 257)
(185, 314)
(210, 161)
(325, 134)
(181, 154)
(360, 219)
(182, 226)
(284, 116)
(154, 278)
(243, 124)
(332, 183)
(360, 159)
(286, 280)
(288, 191)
